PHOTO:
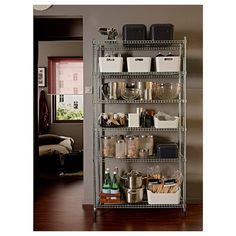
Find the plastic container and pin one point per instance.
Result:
(172, 124)
(161, 32)
(168, 64)
(111, 64)
(163, 198)
(167, 150)
(134, 32)
(139, 64)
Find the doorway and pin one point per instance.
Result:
(56, 37)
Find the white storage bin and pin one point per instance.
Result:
(173, 124)
(168, 64)
(139, 64)
(111, 64)
(163, 198)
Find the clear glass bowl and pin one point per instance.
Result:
(168, 90)
(130, 93)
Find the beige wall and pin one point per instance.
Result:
(188, 21)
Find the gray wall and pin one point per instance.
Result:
(61, 48)
(188, 21)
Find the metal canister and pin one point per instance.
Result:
(108, 144)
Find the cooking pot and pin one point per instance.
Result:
(134, 195)
(133, 180)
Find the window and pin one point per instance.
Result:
(61, 98)
(65, 84)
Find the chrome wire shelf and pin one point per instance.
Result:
(142, 160)
(139, 75)
(138, 129)
(143, 204)
(127, 45)
(139, 101)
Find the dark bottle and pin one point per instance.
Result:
(142, 119)
(106, 187)
(148, 120)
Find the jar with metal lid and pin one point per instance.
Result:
(108, 146)
(143, 152)
(149, 144)
(132, 146)
(142, 141)
(120, 148)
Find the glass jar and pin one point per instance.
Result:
(149, 144)
(120, 148)
(108, 144)
(143, 152)
(132, 146)
(142, 141)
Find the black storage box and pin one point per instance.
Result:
(73, 162)
(167, 150)
(161, 32)
(134, 32)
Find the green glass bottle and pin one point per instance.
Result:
(106, 187)
(114, 183)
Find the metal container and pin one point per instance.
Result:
(134, 195)
(133, 179)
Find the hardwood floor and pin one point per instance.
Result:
(58, 207)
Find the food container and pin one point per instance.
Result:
(161, 32)
(134, 195)
(133, 120)
(133, 179)
(134, 32)
(143, 152)
(108, 146)
(167, 150)
(149, 144)
(162, 123)
(163, 198)
(132, 146)
(111, 64)
(120, 148)
(139, 64)
(168, 64)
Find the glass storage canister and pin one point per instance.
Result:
(149, 144)
(108, 144)
(120, 148)
(132, 146)
(142, 141)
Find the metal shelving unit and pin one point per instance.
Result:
(99, 49)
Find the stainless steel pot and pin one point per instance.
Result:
(134, 195)
(133, 180)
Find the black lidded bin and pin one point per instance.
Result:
(167, 150)
(134, 32)
(161, 32)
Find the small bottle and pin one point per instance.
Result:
(106, 187)
(114, 183)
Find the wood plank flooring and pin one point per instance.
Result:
(58, 207)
